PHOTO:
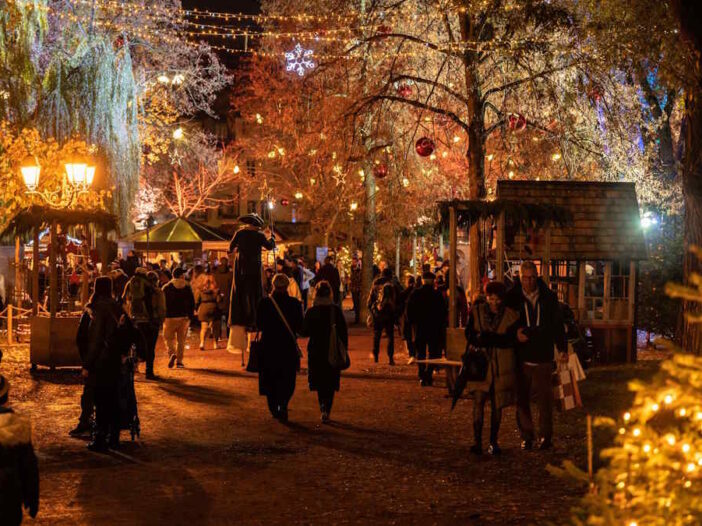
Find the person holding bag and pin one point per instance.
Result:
(492, 328)
(327, 349)
(279, 319)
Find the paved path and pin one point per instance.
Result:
(211, 454)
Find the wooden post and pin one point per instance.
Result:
(453, 250)
(546, 257)
(607, 302)
(18, 273)
(632, 292)
(53, 272)
(500, 248)
(590, 473)
(581, 290)
(35, 272)
(9, 324)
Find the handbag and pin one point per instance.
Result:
(255, 355)
(565, 389)
(475, 366)
(287, 326)
(338, 354)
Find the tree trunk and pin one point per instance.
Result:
(369, 235)
(690, 17)
(476, 148)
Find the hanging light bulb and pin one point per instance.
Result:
(178, 134)
(353, 206)
(298, 195)
(237, 169)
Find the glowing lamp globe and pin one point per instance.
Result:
(380, 171)
(90, 175)
(30, 172)
(77, 173)
(424, 147)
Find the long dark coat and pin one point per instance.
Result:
(247, 287)
(279, 361)
(318, 320)
(19, 473)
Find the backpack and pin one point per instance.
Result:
(140, 298)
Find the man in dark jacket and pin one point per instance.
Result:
(427, 313)
(280, 360)
(330, 273)
(542, 329)
(19, 472)
(356, 277)
(180, 307)
(382, 305)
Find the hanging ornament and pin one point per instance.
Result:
(284, 202)
(380, 170)
(595, 93)
(118, 43)
(404, 90)
(299, 60)
(517, 122)
(424, 147)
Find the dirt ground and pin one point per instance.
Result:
(210, 453)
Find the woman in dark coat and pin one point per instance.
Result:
(323, 378)
(280, 358)
(107, 334)
(247, 286)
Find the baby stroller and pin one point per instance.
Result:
(128, 411)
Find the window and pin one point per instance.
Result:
(594, 289)
(251, 168)
(619, 284)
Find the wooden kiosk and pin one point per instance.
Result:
(53, 332)
(586, 239)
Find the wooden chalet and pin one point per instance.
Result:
(586, 239)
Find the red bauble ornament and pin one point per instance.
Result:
(384, 30)
(595, 93)
(404, 90)
(517, 122)
(284, 202)
(380, 170)
(118, 43)
(424, 147)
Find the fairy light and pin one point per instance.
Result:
(636, 432)
(655, 407)
(627, 416)
(686, 448)
(298, 195)
(353, 206)
(178, 134)
(668, 399)
(556, 156)
(647, 448)
(670, 439)
(237, 169)
(490, 157)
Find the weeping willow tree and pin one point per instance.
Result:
(90, 69)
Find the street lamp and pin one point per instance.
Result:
(78, 177)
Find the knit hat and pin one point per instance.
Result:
(281, 281)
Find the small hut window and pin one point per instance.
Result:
(594, 289)
(619, 287)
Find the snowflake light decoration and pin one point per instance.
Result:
(299, 60)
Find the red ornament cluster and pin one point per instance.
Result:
(517, 122)
(424, 147)
(404, 90)
(380, 171)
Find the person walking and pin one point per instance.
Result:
(307, 277)
(427, 314)
(223, 277)
(158, 311)
(382, 304)
(405, 325)
(207, 312)
(19, 470)
(492, 328)
(138, 304)
(318, 323)
(329, 273)
(108, 335)
(279, 319)
(180, 305)
(355, 287)
(541, 329)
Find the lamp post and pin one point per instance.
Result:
(149, 222)
(77, 178)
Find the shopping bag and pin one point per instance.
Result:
(238, 339)
(565, 388)
(575, 368)
(255, 355)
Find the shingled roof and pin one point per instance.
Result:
(605, 219)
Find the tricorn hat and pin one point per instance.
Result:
(252, 219)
